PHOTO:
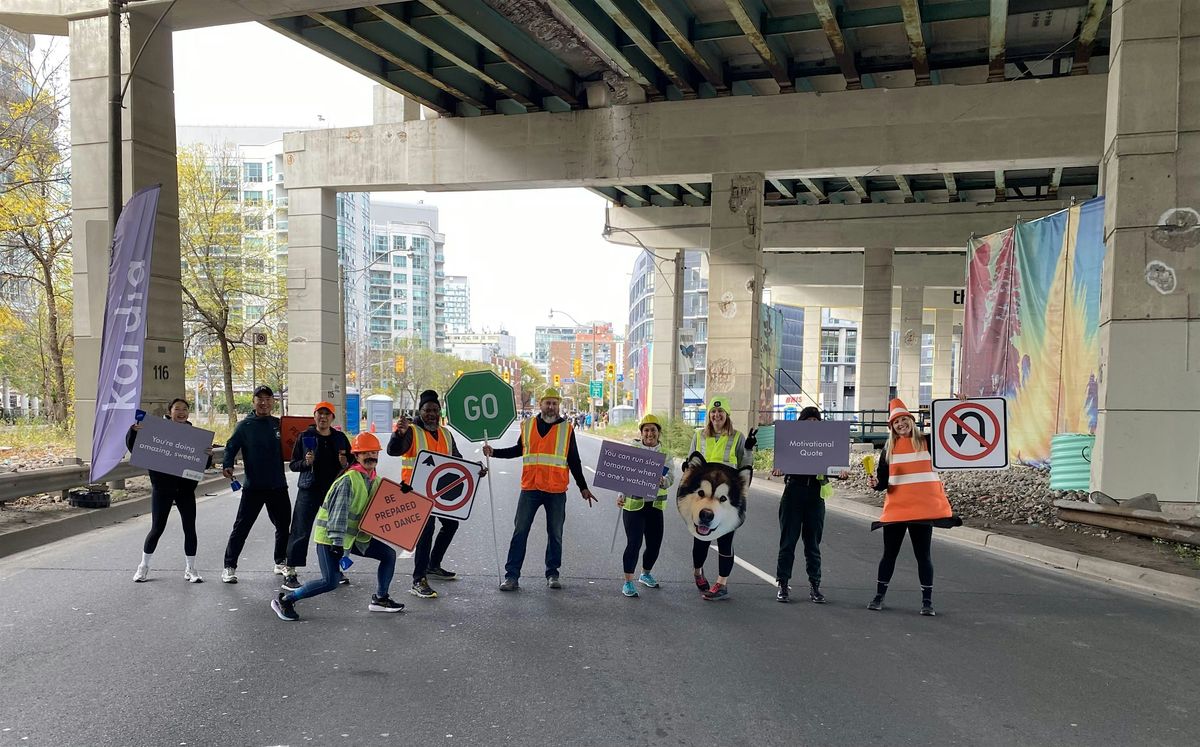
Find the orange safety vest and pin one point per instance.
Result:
(914, 491)
(423, 440)
(544, 461)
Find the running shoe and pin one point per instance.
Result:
(141, 574)
(345, 581)
(284, 609)
(510, 584)
(927, 610)
(192, 576)
(553, 582)
(629, 589)
(291, 583)
(647, 580)
(701, 583)
(876, 603)
(384, 604)
(784, 593)
(716, 592)
(442, 574)
(281, 569)
(229, 575)
(815, 596)
(420, 588)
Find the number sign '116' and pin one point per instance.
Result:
(480, 405)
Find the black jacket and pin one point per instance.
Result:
(326, 466)
(163, 480)
(257, 439)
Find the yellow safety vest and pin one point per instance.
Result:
(722, 449)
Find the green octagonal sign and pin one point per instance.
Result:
(480, 405)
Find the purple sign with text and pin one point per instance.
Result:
(174, 448)
(811, 447)
(119, 386)
(630, 470)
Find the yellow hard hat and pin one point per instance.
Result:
(649, 419)
(550, 393)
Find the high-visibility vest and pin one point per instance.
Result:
(544, 461)
(722, 449)
(422, 440)
(636, 504)
(360, 496)
(914, 491)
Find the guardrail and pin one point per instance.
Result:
(14, 485)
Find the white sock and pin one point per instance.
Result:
(190, 560)
(146, 558)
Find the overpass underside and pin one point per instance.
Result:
(776, 136)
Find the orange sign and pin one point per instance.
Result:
(395, 517)
(290, 428)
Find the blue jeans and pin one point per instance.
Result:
(556, 515)
(331, 574)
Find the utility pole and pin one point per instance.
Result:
(115, 173)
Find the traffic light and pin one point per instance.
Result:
(578, 368)
(458, 373)
(610, 370)
(557, 380)
(507, 376)
(352, 376)
(401, 364)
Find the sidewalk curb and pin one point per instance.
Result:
(21, 540)
(1145, 580)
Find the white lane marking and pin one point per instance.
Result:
(748, 566)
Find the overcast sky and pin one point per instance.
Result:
(525, 251)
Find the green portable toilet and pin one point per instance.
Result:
(1071, 461)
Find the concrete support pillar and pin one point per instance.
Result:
(912, 309)
(148, 133)
(810, 365)
(943, 351)
(1148, 429)
(735, 282)
(316, 329)
(875, 332)
(665, 385)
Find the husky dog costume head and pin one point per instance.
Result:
(712, 497)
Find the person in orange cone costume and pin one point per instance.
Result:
(914, 503)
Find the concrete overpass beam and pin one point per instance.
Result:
(875, 333)
(1148, 430)
(316, 327)
(912, 307)
(943, 351)
(735, 283)
(148, 131)
(810, 365)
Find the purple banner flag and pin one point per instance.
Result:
(119, 386)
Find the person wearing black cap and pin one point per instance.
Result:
(802, 517)
(406, 442)
(258, 439)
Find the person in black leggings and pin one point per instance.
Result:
(165, 490)
(922, 540)
(643, 518)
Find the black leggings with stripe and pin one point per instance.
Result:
(893, 539)
(724, 554)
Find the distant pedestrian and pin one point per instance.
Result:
(319, 455)
(719, 441)
(643, 519)
(802, 517)
(165, 490)
(407, 441)
(549, 457)
(337, 533)
(257, 438)
(915, 503)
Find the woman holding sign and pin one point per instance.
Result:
(719, 441)
(337, 533)
(644, 519)
(165, 490)
(915, 503)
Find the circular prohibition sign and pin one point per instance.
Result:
(461, 475)
(951, 416)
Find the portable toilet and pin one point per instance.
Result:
(352, 422)
(379, 413)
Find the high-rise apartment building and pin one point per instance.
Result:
(458, 304)
(406, 281)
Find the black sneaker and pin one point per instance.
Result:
(384, 604)
(876, 603)
(442, 574)
(284, 609)
(345, 581)
(553, 582)
(815, 596)
(927, 610)
(510, 584)
(420, 588)
(782, 594)
(291, 583)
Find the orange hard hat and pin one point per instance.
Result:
(365, 442)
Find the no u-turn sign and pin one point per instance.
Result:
(970, 433)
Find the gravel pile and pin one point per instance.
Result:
(985, 498)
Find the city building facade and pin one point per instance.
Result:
(407, 279)
(458, 304)
(482, 346)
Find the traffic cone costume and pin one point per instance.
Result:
(914, 490)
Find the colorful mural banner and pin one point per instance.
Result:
(1031, 325)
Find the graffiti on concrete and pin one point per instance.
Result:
(1161, 277)
(721, 374)
(1178, 229)
(727, 306)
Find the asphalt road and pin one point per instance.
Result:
(1017, 655)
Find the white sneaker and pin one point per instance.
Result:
(229, 575)
(140, 575)
(281, 569)
(192, 576)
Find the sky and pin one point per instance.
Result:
(525, 251)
